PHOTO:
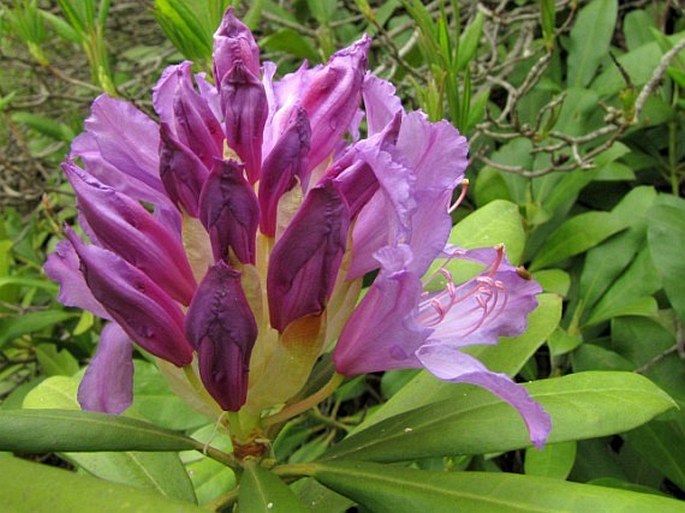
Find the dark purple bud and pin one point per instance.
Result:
(223, 330)
(196, 126)
(144, 311)
(107, 385)
(182, 173)
(123, 226)
(243, 101)
(230, 213)
(233, 42)
(305, 260)
(286, 160)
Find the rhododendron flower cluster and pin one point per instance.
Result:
(230, 239)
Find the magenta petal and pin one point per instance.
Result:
(229, 211)
(183, 174)
(381, 333)
(123, 226)
(234, 42)
(107, 385)
(245, 109)
(223, 330)
(285, 162)
(448, 363)
(196, 126)
(305, 260)
(62, 266)
(144, 311)
(133, 150)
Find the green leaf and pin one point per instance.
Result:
(636, 28)
(56, 362)
(289, 41)
(63, 430)
(555, 460)
(576, 235)
(14, 327)
(468, 42)
(589, 40)
(498, 222)
(263, 492)
(593, 357)
(390, 489)
(562, 342)
(55, 392)
(666, 236)
(30, 488)
(470, 420)
(553, 280)
(663, 445)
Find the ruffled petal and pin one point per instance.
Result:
(380, 102)
(381, 334)
(107, 385)
(448, 363)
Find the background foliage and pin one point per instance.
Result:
(576, 129)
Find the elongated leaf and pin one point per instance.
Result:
(498, 222)
(13, 327)
(666, 235)
(56, 362)
(555, 460)
(469, 420)
(390, 489)
(30, 488)
(590, 38)
(262, 491)
(663, 445)
(576, 235)
(64, 430)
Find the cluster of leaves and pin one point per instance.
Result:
(574, 114)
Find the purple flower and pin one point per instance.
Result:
(231, 239)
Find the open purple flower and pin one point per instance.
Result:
(231, 238)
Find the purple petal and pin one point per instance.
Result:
(144, 311)
(62, 266)
(209, 93)
(107, 385)
(123, 226)
(380, 102)
(381, 333)
(230, 213)
(133, 150)
(234, 42)
(245, 110)
(223, 330)
(305, 260)
(164, 92)
(495, 303)
(285, 162)
(183, 174)
(449, 364)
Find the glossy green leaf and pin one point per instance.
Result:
(666, 235)
(628, 294)
(553, 280)
(662, 444)
(391, 489)
(262, 491)
(576, 235)
(589, 41)
(508, 357)
(55, 392)
(469, 40)
(63, 430)
(31, 488)
(554, 460)
(470, 420)
(562, 342)
(593, 357)
(498, 222)
(287, 40)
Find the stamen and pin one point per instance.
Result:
(462, 194)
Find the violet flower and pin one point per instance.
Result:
(268, 209)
